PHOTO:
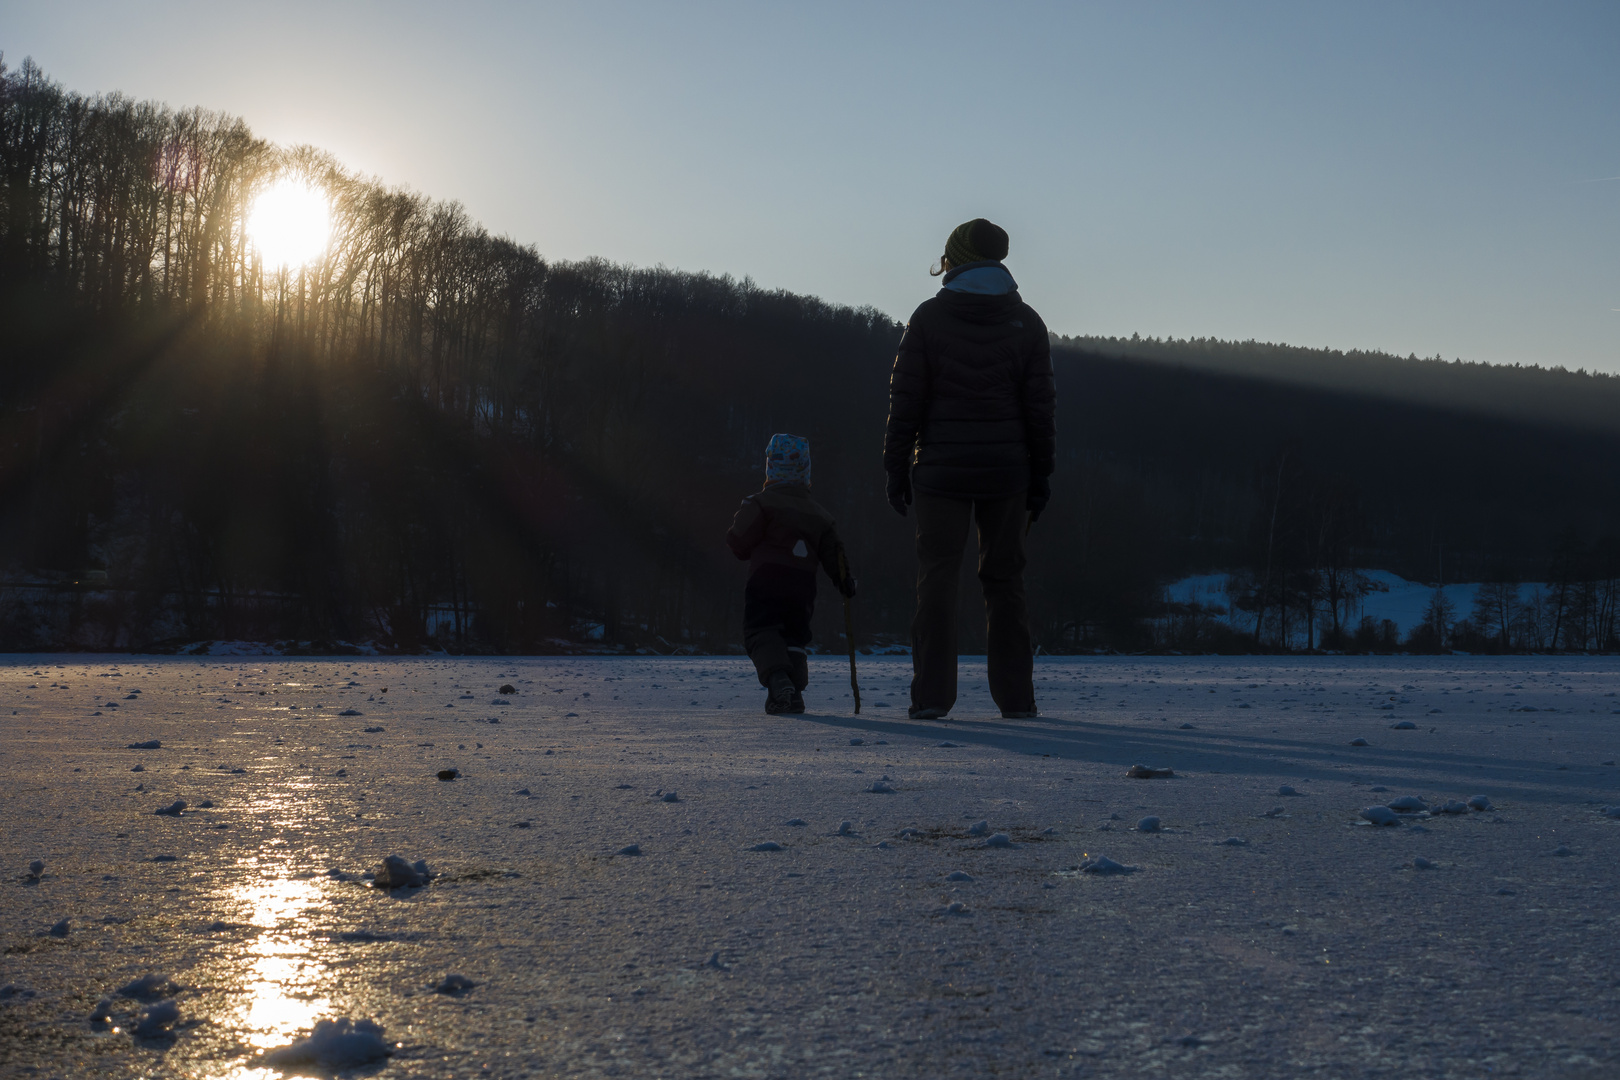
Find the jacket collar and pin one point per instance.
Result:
(987, 278)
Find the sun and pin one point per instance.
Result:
(290, 224)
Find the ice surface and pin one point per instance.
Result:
(1300, 952)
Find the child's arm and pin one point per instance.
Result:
(747, 529)
(835, 561)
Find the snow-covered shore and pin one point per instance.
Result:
(605, 887)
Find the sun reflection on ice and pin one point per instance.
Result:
(281, 970)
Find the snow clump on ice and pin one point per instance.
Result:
(453, 984)
(174, 809)
(1381, 815)
(157, 1020)
(154, 985)
(1102, 864)
(334, 1044)
(395, 873)
(1148, 824)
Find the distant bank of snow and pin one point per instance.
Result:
(1392, 597)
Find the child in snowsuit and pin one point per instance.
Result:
(784, 534)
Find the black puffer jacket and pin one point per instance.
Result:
(972, 396)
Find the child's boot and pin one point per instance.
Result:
(782, 697)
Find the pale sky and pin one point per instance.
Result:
(1413, 177)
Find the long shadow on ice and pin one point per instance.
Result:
(1219, 752)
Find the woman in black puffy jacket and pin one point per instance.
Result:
(971, 438)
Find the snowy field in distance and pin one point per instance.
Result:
(1393, 597)
(907, 943)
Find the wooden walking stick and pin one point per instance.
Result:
(849, 633)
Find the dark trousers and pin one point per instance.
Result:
(942, 532)
(777, 605)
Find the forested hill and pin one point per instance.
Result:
(433, 435)
(1536, 394)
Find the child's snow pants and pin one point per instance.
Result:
(777, 606)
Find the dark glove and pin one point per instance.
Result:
(1038, 495)
(900, 491)
(848, 587)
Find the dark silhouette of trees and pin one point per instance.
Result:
(435, 436)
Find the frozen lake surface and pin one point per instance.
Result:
(944, 931)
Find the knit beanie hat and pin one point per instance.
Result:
(787, 460)
(976, 241)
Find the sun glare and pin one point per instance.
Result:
(290, 224)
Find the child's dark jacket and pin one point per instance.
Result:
(783, 526)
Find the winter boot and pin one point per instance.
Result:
(781, 696)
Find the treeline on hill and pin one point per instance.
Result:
(434, 436)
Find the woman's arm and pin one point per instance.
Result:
(908, 395)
